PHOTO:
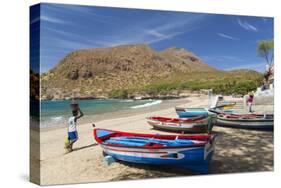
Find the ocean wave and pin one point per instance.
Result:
(52, 121)
(148, 104)
(128, 100)
(58, 118)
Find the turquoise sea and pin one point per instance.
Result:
(55, 113)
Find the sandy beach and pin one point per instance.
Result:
(236, 151)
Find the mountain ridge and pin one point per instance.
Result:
(99, 71)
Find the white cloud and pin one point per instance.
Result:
(164, 37)
(151, 31)
(61, 43)
(227, 36)
(151, 35)
(53, 20)
(85, 11)
(247, 26)
(34, 20)
(63, 34)
(223, 59)
(179, 22)
(154, 33)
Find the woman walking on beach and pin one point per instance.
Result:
(250, 101)
(72, 123)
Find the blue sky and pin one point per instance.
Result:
(223, 41)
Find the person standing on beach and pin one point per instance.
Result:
(250, 101)
(72, 123)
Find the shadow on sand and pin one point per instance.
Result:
(84, 147)
(244, 150)
(237, 150)
(151, 172)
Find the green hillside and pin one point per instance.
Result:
(130, 70)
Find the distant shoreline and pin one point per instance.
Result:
(147, 97)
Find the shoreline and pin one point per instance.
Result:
(171, 95)
(164, 97)
(92, 118)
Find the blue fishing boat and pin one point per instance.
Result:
(191, 112)
(193, 152)
(195, 112)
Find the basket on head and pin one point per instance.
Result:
(74, 105)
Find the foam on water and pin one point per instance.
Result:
(53, 121)
(58, 118)
(148, 104)
(54, 113)
(128, 100)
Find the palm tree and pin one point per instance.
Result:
(265, 50)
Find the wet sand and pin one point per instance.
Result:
(236, 151)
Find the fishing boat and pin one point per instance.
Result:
(200, 124)
(193, 152)
(247, 121)
(191, 112)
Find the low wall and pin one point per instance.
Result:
(264, 100)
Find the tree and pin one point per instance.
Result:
(265, 50)
(119, 94)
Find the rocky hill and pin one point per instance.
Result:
(97, 72)
(101, 72)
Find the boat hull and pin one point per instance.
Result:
(191, 112)
(196, 159)
(193, 157)
(257, 123)
(190, 127)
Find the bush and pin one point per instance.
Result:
(160, 88)
(221, 82)
(119, 94)
(244, 87)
